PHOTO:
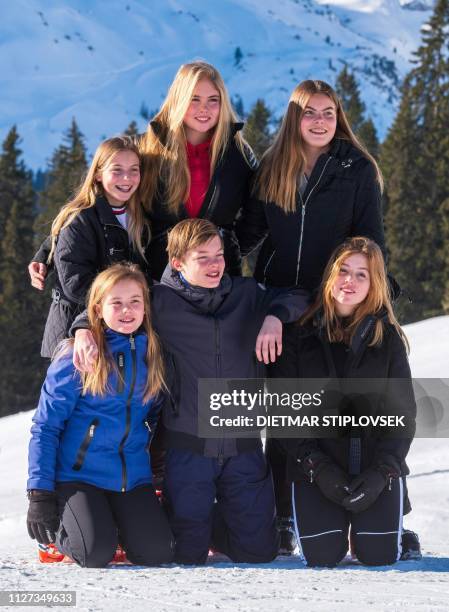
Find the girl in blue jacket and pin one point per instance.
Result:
(89, 484)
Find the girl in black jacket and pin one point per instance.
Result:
(350, 333)
(316, 186)
(197, 164)
(102, 225)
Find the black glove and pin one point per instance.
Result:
(365, 489)
(43, 516)
(330, 478)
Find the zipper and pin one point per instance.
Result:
(150, 435)
(303, 214)
(210, 209)
(217, 347)
(121, 372)
(266, 267)
(128, 413)
(85, 445)
(220, 455)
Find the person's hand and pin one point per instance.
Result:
(37, 272)
(43, 516)
(85, 351)
(364, 490)
(269, 340)
(330, 478)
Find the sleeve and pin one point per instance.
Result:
(81, 322)
(287, 304)
(367, 220)
(391, 452)
(59, 395)
(77, 259)
(41, 255)
(251, 227)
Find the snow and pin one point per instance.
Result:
(283, 585)
(98, 61)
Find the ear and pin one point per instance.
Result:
(98, 177)
(97, 309)
(176, 264)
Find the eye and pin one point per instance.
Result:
(308, 113)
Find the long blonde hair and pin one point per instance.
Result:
(285, 160)
(96, 382)
(377, 300)
(90, 188)
(164, 153)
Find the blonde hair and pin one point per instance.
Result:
(90, 188)
(378, 298)
(164, 153)
(190, 234)
(285, 159)
(96, 382)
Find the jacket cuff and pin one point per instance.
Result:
(279, 311)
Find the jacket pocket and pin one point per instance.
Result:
(88, 437)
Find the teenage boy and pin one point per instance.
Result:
(210, 324)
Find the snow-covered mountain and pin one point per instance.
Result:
(104, 62)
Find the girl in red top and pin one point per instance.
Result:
(196, 164)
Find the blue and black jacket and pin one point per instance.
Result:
(102, 441)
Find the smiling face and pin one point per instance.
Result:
(203, 266)
(122, 308)
(351, 285)
(203, 112)
(120, 177)
(318, 122)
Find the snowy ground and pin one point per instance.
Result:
(280, 586)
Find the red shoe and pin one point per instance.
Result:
(48, 553)
(119, 556)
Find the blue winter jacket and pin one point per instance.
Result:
(102, 441)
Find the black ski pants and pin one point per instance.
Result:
(322, 527)
(94, 521)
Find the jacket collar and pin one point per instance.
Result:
(105, 213)
(206, 300)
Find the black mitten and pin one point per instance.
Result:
(43, 516)
(331, 479)
(365, 489)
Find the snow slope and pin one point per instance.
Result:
(99, 61)
(282, 585)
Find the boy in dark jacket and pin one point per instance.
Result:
(209, 324)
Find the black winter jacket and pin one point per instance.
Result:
(226, 204)
(306, 354)
(93, 241)
(342, 199)
(210, 333)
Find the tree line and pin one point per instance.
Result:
(414, 159)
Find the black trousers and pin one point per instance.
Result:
(322, 527)
(277, 460)
(94, 521)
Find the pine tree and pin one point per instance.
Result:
(368, 136)
(132, 129)
(256, 130)
(20, 336)
(415, 160)
(347, 89)
(66, 169)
